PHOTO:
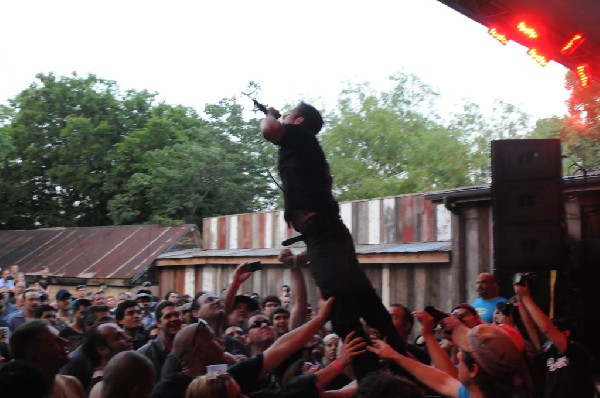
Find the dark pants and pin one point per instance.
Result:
(336, 271)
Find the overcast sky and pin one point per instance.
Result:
(196, 52)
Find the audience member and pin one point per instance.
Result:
(568, 367)
(168, 324)
(102, 342)
(127, 375)
(31, 300)
(488, 291)
(38, 343)
(129, 316)
(280, 318)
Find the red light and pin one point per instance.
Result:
(501, 37)
(584, 74)
(527, 30)
(573, 44)
(537, 57)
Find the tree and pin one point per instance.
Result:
(70, 145)
(62, 132)
(392, 143)
(580, 132)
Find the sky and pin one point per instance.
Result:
(195, 52)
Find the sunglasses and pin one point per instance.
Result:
(259, 323)
(201, 322)
(462, 315)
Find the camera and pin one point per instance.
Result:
(253, 266)
(437, 315)
(505, 308)
(522, 278)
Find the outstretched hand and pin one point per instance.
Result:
(426, 320)
(382, 349)
(352, 347)
(273, 112)
(240, 275)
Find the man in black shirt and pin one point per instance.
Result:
(312, 211)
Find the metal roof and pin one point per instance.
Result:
(570, 183)
(398, 248)
(119, 252)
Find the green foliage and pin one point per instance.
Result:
(580, 132)
(393, 143)
(77, 152)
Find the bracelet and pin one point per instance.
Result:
(337, 365)
(235, 284)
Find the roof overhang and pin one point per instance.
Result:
(404, 253)
(557, 20)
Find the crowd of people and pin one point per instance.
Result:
(236, 345)
(83, 343)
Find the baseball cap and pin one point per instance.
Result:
(63, 294)
(252, 304)
(492, 348)
(143, 293)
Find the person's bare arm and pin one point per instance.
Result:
(439, 357)
(271, 128)
(295, 339)
(298, 314)
(433, 378)
(529, 326)
(239, 277)
(347, 391)
(350, 348)
(540, 318)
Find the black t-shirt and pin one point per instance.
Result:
(174, 385)
(246, 373)
(304, 173)
(568, 374)
(44, 282)
(303, 386)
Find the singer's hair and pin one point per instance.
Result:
(313, 120)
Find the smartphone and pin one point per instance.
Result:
(253, 266)
(435, 313)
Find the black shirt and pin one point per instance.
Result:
(304, 173)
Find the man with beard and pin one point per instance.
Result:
(38, 343)
(488, 291)
(168, 321)
(309, 207)
(74, 331)
(103, 341)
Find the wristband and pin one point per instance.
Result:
(235, 284)
(337, 365)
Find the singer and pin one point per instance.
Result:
(311, 209)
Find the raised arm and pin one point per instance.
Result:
(294, 340)
(439, 357)
(540, 319)
(433, 378)
(239, 277)
(299, 304)
(271, 128)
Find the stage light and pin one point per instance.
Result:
(573, 44)
(527, 30)
(584, 74)
(537, 57)
(496, 34)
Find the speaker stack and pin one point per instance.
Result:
(528, 212)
